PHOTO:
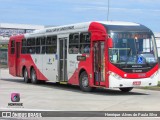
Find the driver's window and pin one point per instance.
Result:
(146, 45)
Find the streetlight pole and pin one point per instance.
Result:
(108, 11)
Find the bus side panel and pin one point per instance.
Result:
(85, 65)
(73, 69)
(28, 61)
(11, 61)
(98, 32)
(48, 66)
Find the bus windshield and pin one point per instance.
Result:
(133, 48)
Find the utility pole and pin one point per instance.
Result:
(108, 11)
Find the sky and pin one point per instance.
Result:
(63, 12)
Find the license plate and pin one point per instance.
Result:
(137, 83)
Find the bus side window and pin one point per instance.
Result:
(43, 45)
(74, 43)
(12, 47)
(38, 41)
(24, 43)
(85, 43)
(31, 45)
(51, 45)
(54, 44)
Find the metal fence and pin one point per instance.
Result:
(3, 58)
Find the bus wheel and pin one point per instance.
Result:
(34, 77)
(84, 82)
(25, 75)
(127, 89)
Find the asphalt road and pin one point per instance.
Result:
(57, 97)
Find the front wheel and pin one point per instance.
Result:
(127, 89)
(34, 77)
(84, 82)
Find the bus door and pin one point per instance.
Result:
(99, 62)
(63, 59)
(17, 58)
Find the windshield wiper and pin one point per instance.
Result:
(128, 55)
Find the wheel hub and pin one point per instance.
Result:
(85, 81)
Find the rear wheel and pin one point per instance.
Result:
(34, 77)
(84, 82)
(25, 75)
(127, 89)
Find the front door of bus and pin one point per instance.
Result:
(63, 59)
(99, 63)
(17, 58)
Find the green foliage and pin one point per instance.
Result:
(152, 87)
(159, 84)
(3, 46)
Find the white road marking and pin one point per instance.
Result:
(25, 109)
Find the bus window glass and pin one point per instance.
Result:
(29, 42)
(33, 42)
(30, 48)
(43, 41)
(43, 49)
(24, 42)
(48, 42)
(38, 48)
(54, 41)
(130, 47)
(51, 45)
(12, 47)
(74, 43)
(85, 43)
(38, 41)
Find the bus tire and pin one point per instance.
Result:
(126, 89)
(34, 77)
(25, 75)
(84, 82)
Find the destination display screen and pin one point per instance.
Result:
(128, 35)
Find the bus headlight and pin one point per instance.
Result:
(114, 75)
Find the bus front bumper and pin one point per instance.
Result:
(118, 82)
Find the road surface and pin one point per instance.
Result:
(51, 96)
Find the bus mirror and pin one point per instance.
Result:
(110, 43)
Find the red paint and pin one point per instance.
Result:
(74, 78)
(24, 60)
(132, 75)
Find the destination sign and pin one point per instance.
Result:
(125, 35)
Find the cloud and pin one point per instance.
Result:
(136, 10)
(90, 8)
(72, 11)
(95, 8)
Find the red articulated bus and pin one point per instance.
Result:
(93, 54)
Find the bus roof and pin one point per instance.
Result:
(77, 27)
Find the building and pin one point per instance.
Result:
(7, 30)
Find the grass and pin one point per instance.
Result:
(3, 46)
(159, 84)
(153, 87)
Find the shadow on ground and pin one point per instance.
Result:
(72, 88)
